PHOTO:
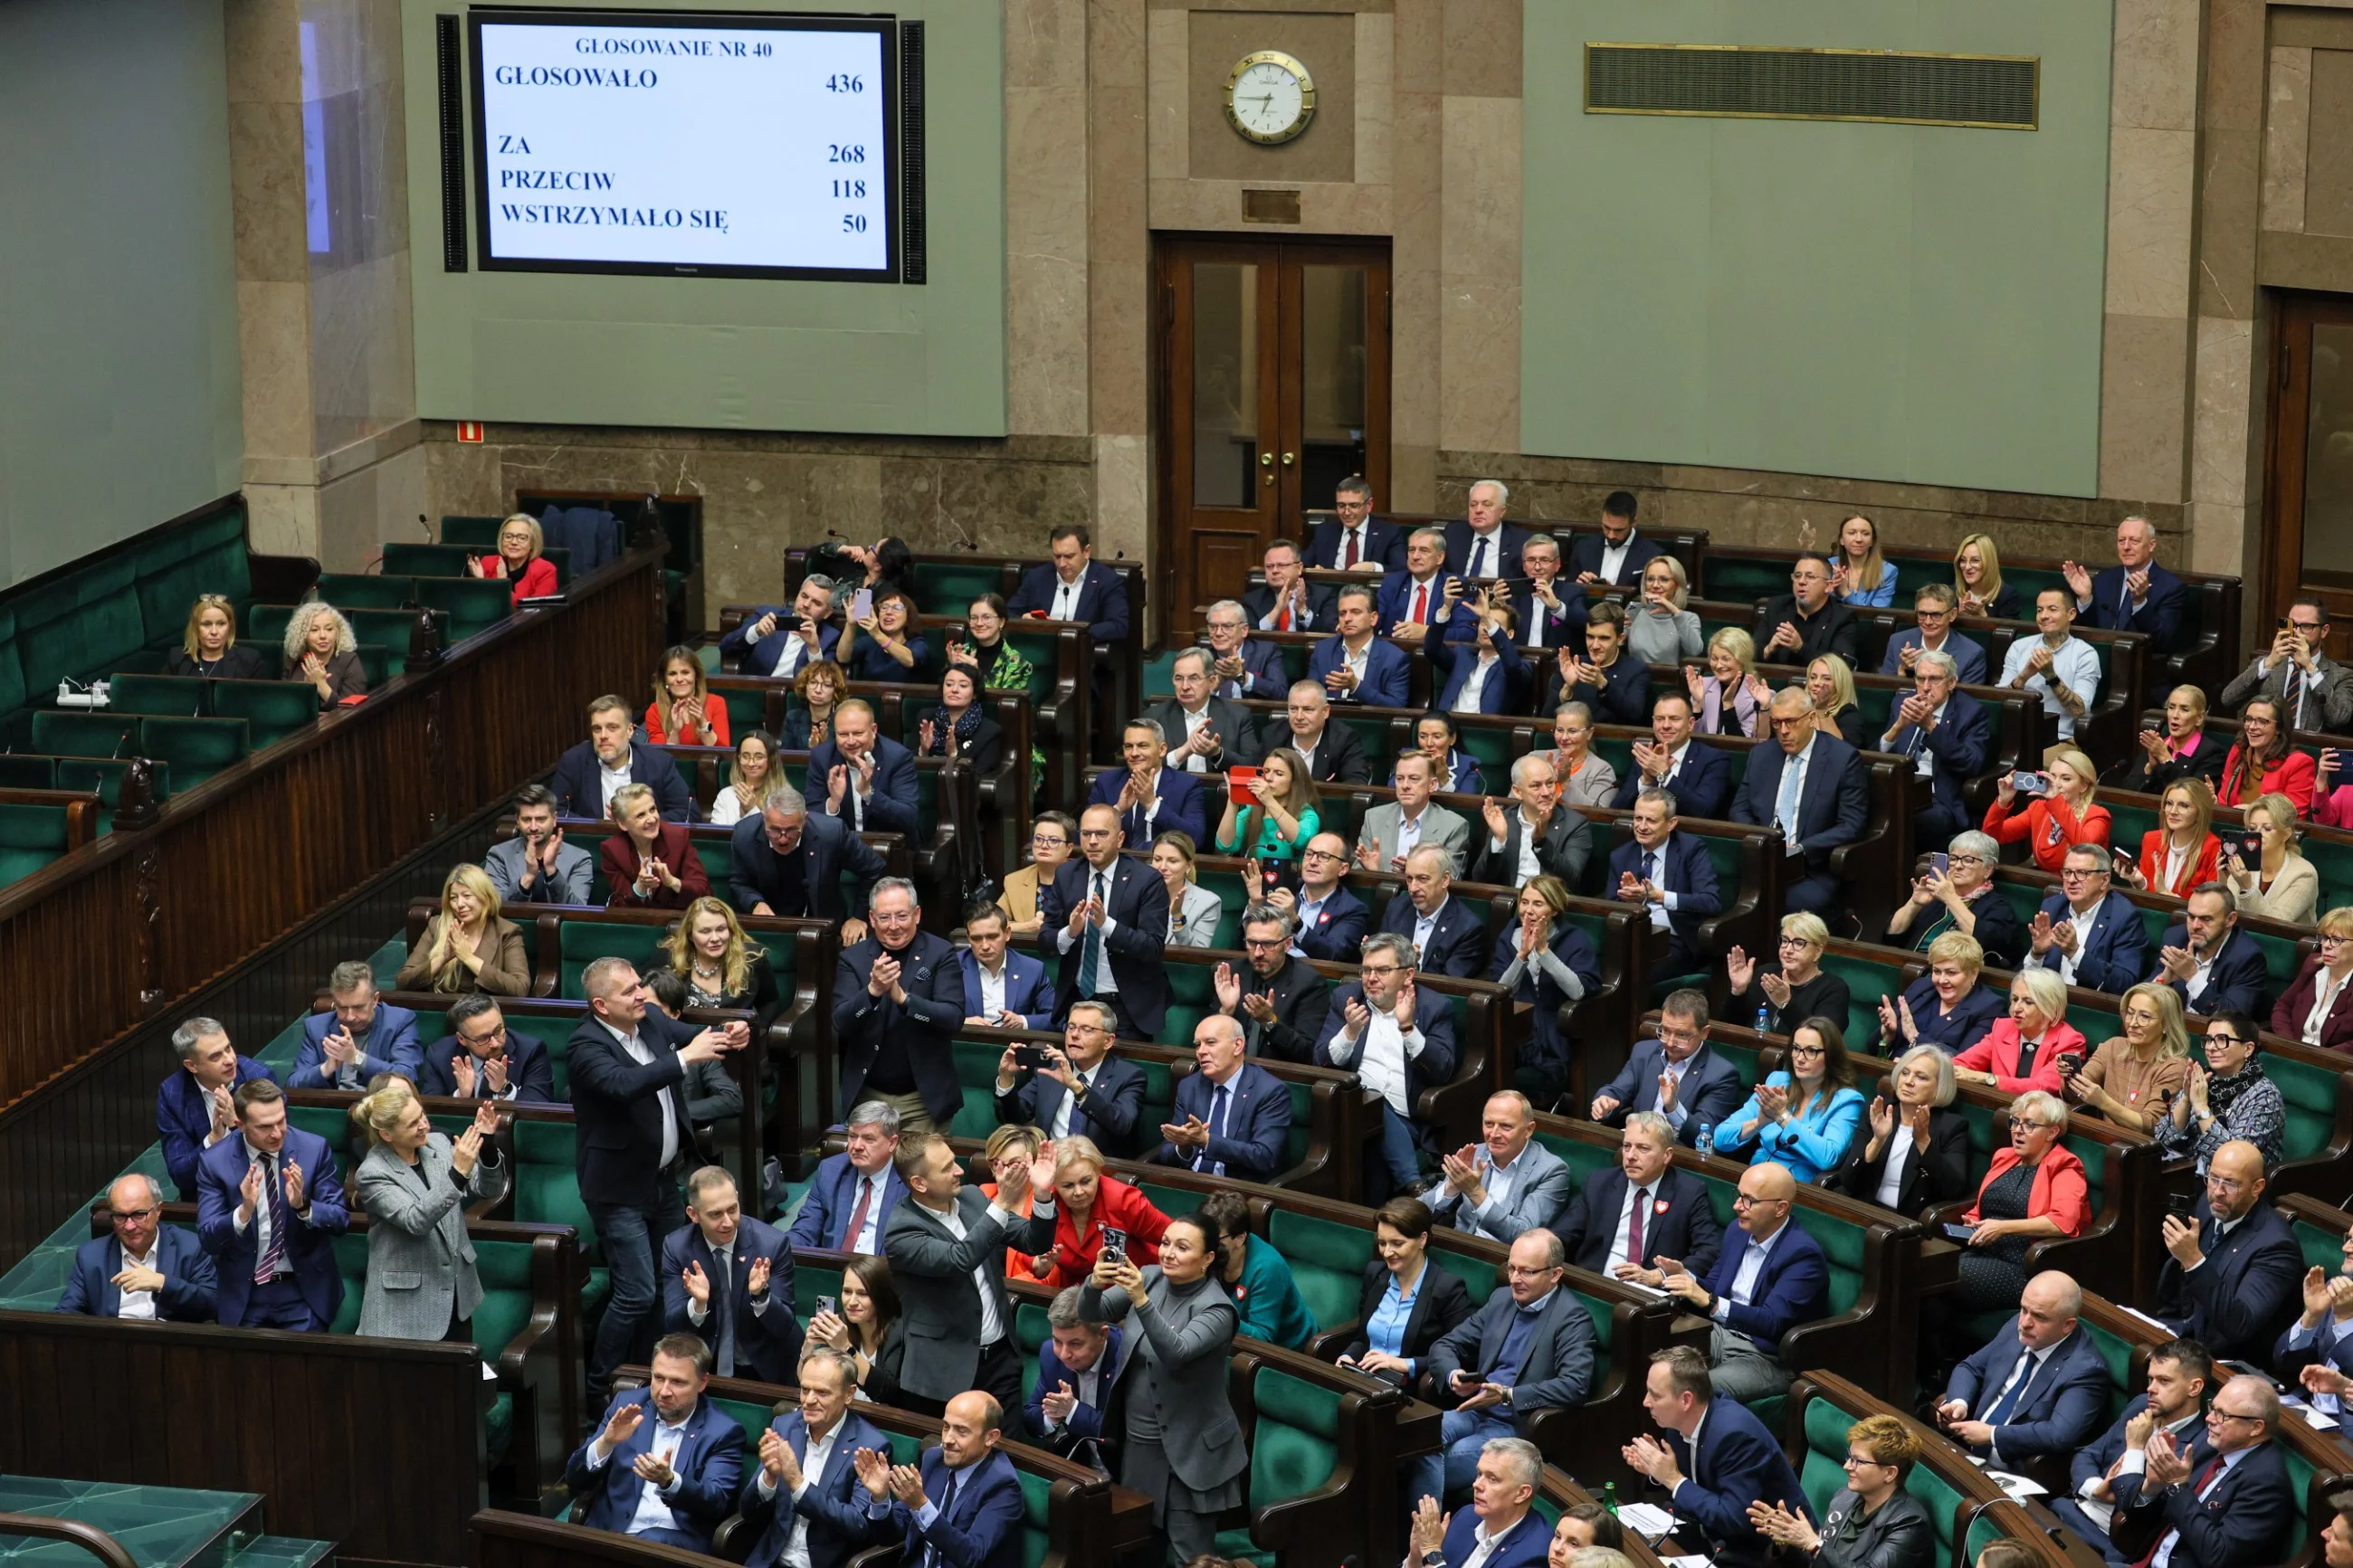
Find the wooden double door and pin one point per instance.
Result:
(1272, 370)
(2308, 525)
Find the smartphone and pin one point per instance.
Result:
(2028, 784)
(2070, 1065)
(1238, 779)
(2283, 623)
(1941, 864)
(2179, 1204)
(1114, 1243)
(1031, 1057)
(2251, 846)
(2123, 858)
(861, 603)
(828, 1304)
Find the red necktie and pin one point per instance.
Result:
(857, 1215)
(1420, 601)
(1635, 1228)
(1349, 565)
(2196, 1488)
(1283, 621)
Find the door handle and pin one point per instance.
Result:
(1286, 459)
(1266, 459)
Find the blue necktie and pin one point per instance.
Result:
(2008, 1403)
(1202, 1161)
(722, 1306)
(1479, 558)
(1091, 944)
(1649, 865)
(932, 1558)
(1785, 813)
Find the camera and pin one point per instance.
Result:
(1032, 1057)
(2029, 784)
(1114, 1243)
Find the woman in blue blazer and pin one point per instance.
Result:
(1803, 1118)
(1951, 1005)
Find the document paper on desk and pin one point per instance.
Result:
(1647, 1519)
(2019, 1487)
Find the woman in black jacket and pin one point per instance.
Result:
(209, 645)
(1795, 986)
(1875, 1523)
(2179, 748)
(958, 727)
(866, 1323)
(1917, 1152)
(1408, 1304)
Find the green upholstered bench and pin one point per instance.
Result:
(473, 605)
(407, 558)
(177, 696)
(197, 748)
(39, 827)
(1947, 1486)
(272, 710)
(349, 591)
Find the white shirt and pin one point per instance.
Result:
(1105, 984)
(1675, 1072)
(818, 1455)
(653, 1512)
(2021, 1372)
(1899, 1150)
(1782, 786)
(992, 989)
(1385, 1051)
(1467, 700)
(2301, 1338)
(1530, 868)
(2073, 665)
(1926, 767)
(643, 1055)
(2176, 857)
(1424, 925)
(2200, 973)
(1194, 724)
(992, 1327)
(2083, 921)
(1340, 545)
(1634, 1194)
(1356, 659)
(1306, 753)
(271, 1171)
(1658, 878)
(868, 1239)
(795, 651)
(2324, 993)
(1485, 557)
(1061, 1126)
(1753, 1254)
(1066, 597)
(1613, 557)
(140, 1304)
(610, 780)
(2137, 1464)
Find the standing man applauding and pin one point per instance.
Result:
(946, 1246)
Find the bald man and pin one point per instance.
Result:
(2232, 1281)
(143, 1269)
(1232, 1117)
(963, 1505)
(2038, 1389)
(1770, 1278)
(2224, 1502)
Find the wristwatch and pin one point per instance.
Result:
(1433, 1560)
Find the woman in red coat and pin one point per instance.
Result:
(519, 558)
(1085, 1202)
(2263, 764)
(2061, 816)
(648, 865)
(2182, 853)
(2318, 1009)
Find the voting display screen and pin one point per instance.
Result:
(686, 145)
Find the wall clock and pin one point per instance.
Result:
(1269, 97)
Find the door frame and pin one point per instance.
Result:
(2280, 559)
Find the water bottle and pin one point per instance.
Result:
(1764, 1018)
(1609, 1495)
(1707, 1138)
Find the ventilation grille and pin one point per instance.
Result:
(915, 250)
(450, 82)
(1989, 91)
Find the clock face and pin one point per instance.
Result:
(1269, 97)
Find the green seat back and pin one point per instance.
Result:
(547, 1180)
(182, 696)
(976, 1065)
(1235, 894)
(1327, 1261)
(580, 943)
(504, 1268)
(391, 629)
(1038, 647)
(272, 709)
(29, 773)
(2330, 851)
(88, 623)
(406, 558)
(753, 1418)
(349, 591)
(2097, 1025)
(196, 748)
(1822, 1474)
(1300, 1136)
(1170, 1201)
(1478, 1276)
(1037, 1508)
(1031, 1330)
(265, 625)
(473, 605)
(1742, 577)
(206, 556)
(67, 733)
(1583, 1159)
(31, 837)
(103, 777)
(2128, 824)
(812, 1280)
(1296, 1445)
(1159, 1097)
(1192, 996)
(2299, 1484)
(480, 534)
(747, 710)
(1159, 678)
(949, 588)
(1379, 740)
(1744, 1056)
(1867, 980)
(2322, 1248)
(2095, 1156)
(1495, 753)
(2283, 956)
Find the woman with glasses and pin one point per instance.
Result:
(2176, 747)
(1873, 1522)
(2229, 1098)
(1795, 986)
(1951, 1005)
(2059, 815)
(754, 775)
(519, 558)
(817, 692)
(2282, 884)
(1960, 898)
(208, 647)
(1584, 778)
(1053, 838)
(2181, 852)
(2318, 1009)
(2263, 764)
(1661, 631)
(2036, 1189)
(1805, 1117)
(1914, 1151)
(2024, 1051)
(884, 644)
(2130, 1077)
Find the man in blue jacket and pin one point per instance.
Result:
(2233, 1270)
(866, 779)
(587, 776)
(727, 1279)
(481, 1059)
(2037, 1390)
(146, 1270)
(2180, 1374)
(804, 1498)
(1075, 588)
(1716, 1460)
(2222, 1501)
(268, 1207)
(362, 1038)
(1358, 664)
(1932, 608)
(1675, 1075)
(672, 1479)
(851, 1197)
(1697, 775)
(1826, 805)
(1672, 876)
(1769, 1279)
(1077, 1367)
(1232, 1116)
(2089, 935)
(192, 1108)
(1328, 919)
(2211, 964)
(963, 1505)
(1150, 797)
(783, 862)
(1002, 988)
(2136, 594)
(780, 643)
(1949, 736)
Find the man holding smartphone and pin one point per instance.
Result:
(1078, 1090)
(2314, 692)
(777, 642)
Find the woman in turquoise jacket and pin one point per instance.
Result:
(1804, 1118)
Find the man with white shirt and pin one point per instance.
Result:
(1540, 837)
(780, 644)
(851, 1196)
(2091, 936)
(1355, 540)
(1423, 597)
(2180, 1375)
(1615, 557)
(2038, 1389)
(1333, 752)
(804, 1498)
(1506, 1184)
(1083, 1090)
(1002, 989)
(1392, 831)
(2222, 1501)
(1485, 545)
(673, 1479)
(2060, 665)
(2317, 1348)
(1500, 1528)
(1287, 602)
(268, 1207)
(1549, 611)
(1206, 730)
(144, 1270)
(1398, 1039)
(1642, 1209)
(946, 1245)
(728, 1279)
(1077, 1366)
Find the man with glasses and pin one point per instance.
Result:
(1932, 612)
(1961, 898)
(1107, 917)
(2211, 964)
(784, 861)
(1398, 1039)
(144, 1269)
(1815, 789)
(1286, 600)
(536, 866)
(1675, 1075)
(2224, 1501)
(1284, 1005)
(481, 1059)
(2091, 936)
(1717, 1459)
(1672, 876)
(1328, 921)
(2060, 665)
(2037, 1390)
(1810, 621)
(1771, 1278)
(2231, 1276)
(1528, 1349)
(1082, 1091)
(2179, 1374)
(1948, 735)
(1549, 612)
(1355, 540)
(2314, 692)
(1205, 721)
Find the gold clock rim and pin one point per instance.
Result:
(1306, 96)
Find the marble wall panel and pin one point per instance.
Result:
(2286, 133)
(2150, 195)
(2328, 154)
(2144, 395)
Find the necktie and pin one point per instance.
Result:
(858, 1215)
(1649, 865)
(1283, 615)
(273, 1190)
(1420, 601)
(2196, 1487)
(1787, 813)
(1202, 1161)
(1349, 565)
(1090, 945)
(1079, 1124)
(1479, 558)
(932, 1558)
(2021, 1374)
(1634, 1227)
(722, 1306)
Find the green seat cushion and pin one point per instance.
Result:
(1327, 1262)
(580, 943)
(67, 732)
(1296, 1446)
(31, 837)
(349, 591)
(272, 710)
(196, 748)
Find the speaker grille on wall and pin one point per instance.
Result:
(2000, 92)
(453, 142)
(913, 265)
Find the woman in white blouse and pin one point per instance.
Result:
(1917, 1151)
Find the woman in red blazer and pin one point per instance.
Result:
(1086, 1200)
(648, 865)
(2263, 764)
(2300, 1014)
(2183, 843)
(519, 558)
(2038, 1012)
(2018, 1207)
(2063, 816)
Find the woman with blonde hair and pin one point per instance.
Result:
(2181, 852)
(756, 774)
(722, 966)
(2057, 819)
(1837, 710)
(1731, 697)
(1090, 1204)
(2318, 1007)
(1661, 631)
(1873, 1522)
(2176, 747)
(2282, 884)
(1976, 581)
(521, 556)
(683, 712)
(1795, 984)
(319, 649)
(2131, 1077)
(466, 946)
(1858, 574)
(415, 1182)
(2036, 1189)
(1194, 912)
(208, 646)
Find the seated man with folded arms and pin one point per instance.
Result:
(481, 1059)
(2038, 1389)
(1769, 1278)
(362, 1038)
(536, 866)
(146, 1270)
(671, 1478)
(2180, 1374)
(192, 1109)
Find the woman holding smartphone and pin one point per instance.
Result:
(866, 1323)
(2278, 883)
(1090, 1209)
(2060, 812)
(2180, 854)
(1280, 816)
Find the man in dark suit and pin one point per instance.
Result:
(1528, 1349)
(360, 1038)
(1697, 775)
(193, 1106)
(1241, 664)
(1074, 588)
(865, 778)
(805, 1493)
(1768, 1280)
(1233, 1117)
(627, 1063)
(1107, 917)
(146, 1270)
(2136, 594)
(851, 1197)
(728, 1279)
(1641, 1209)
(268, 1207)
(1476, 647)
(1282, 1002)
(1002, 989)
(2089, 935)
(2037, 1390)
(1417, 601)
(1716, 1460)
(1150, 797)
(587, 776)
(898, 1002)
(1672, 876)
(1548, 610)
(1328, 921)
(1355, 540)
(1485, 546)
(1808, 621)
(1613, 686)
(1676, 1074)
(1932, 609)
(786, 862)
(963, 1505)
(481, 1059)
(1538, 835)
(2231, 1281)
(1615, 557)
(1202, 727)
(2179, 1374)
(1286, 600)
(1447, 937)
(1083, 1091)
(1500, 1529)
(2211, 964)
(1398, 1038)
(960, 1327)
(1949, 736)
(670, 1479)
(1077, 1367)
(2223, 1501)
(1827, 804)
(1358, 664)
(1334, 753)
(779, 643)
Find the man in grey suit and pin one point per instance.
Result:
(1204, 732)
(946, 1246)
(1393, 831)
(1509, 1183)
(536, 866)
(1530, 1348)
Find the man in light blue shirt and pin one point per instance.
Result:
(2060, 665)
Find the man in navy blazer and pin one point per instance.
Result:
(663, 1452)
(1328, 921)
(866, 779)
(2225, 1500)
(1286, 586)
(146, 1270)
(1358, 664)
(1950, 737)
(898, 1002)
(1241, 664)
(1718, 1458)
(1615, 557)
(2111, 953)
(816, 1499)
(1697, 775)
(1501, 1526)
(2180, 1375)
(1833, 804)
(1770, 1278)
(2232, 1279)
(192, 1108)
(1150, 797)
(2136, 594)
(481, 1059)
(964, 1506)
(360, 1038)
(1673, 876)
(1485, 545)
(1417, 601)
(851, 1197)
(1933, 608)
(742, 1311)
(1232, 1116)
(268, 1207)
(1077, 1366)
(1025, 999)
(1398, 1038)
(1677, 1218)
(2211, 964)
(1448, 937)
(587, 776)
(783, 862)
(2037, 1390)
(1082, 1091)
(1075, 588)
(773, 642)
(1107, 917)
(1675, 1074)
(1353, 539)
(1529, 1348)
(1546, 623)
(1456, 654)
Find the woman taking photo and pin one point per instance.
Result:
(1183, 1449)
(958, 728)
(1951, 1005)
(2130, 1078)
(884, 564)
(2282, 884)
(2181, 852)
(1873, 1522)
(2318, 1007)
(649, 864)
(2024, 1050)
(466, 945)
(1837, 710)
(2177, 747)
(1731, 697)
(1962, 900)
(321, 651)
(1803, 1118)
(867, 1325)
(2058, 817)
(2230, 1099)
(1087, 1203)
(414, 1183)
(1913, 1152)
(1537, 960)
(1661, 631)
(817, 692)
(1795, 986)
(208, 647)
(1976, 581)
(884, 644)
(722, 967)
(2035, 1190)
(1406, 1306)
(1584, 778)
(683, 712)
(2263, 763)
(751, 778)
(1193, 911)
(520, 559)
(1281, 816)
